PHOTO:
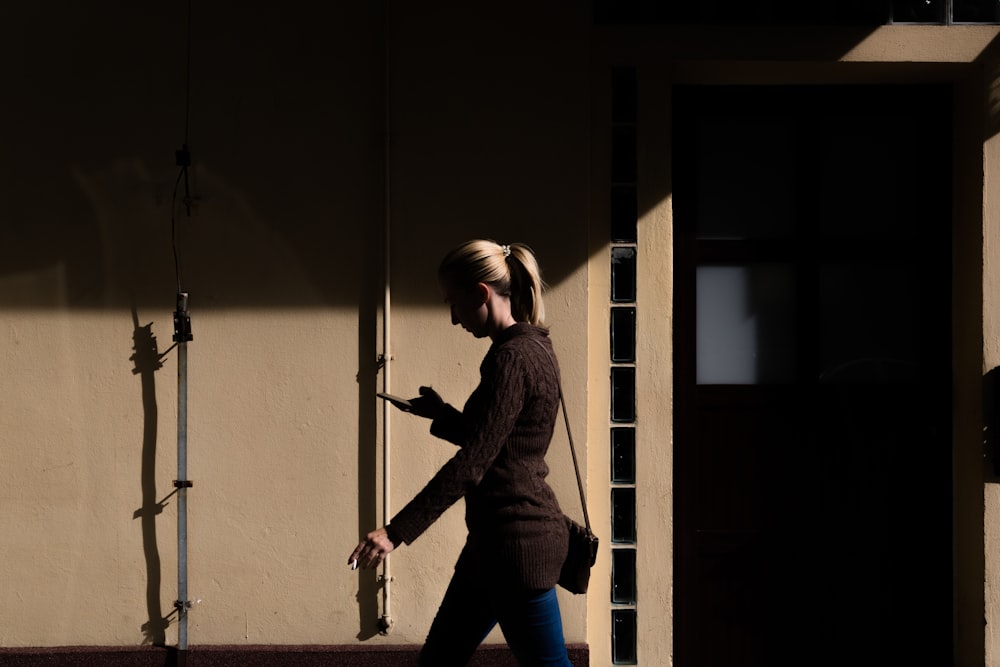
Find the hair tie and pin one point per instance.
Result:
(506, 250)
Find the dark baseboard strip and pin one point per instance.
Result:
(252, 656)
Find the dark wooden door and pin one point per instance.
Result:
(812, 360)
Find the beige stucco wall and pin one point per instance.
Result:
(991, 356)
(283, 258)
(497, 129)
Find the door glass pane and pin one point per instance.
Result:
(745, 324)
(858, 176)
(869, 323)
(745, 175)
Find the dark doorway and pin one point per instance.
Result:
(812, 361)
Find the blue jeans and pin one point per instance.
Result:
(530, 622)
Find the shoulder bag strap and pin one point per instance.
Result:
(569, 435)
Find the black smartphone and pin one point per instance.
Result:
(401, 403)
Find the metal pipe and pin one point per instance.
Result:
(386, 621)
(182, 334)
(182, 574)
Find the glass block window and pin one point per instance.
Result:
(623, 589)
(623, 356)
(623, 95)
(623, 156)
(623, 455)
(624, 211)
(623, 394)
(623, 267)
(623, 515)
(918, 11)
(623, 637)
(945, 11)
(976, 11)
(867, 13)
(623, 335)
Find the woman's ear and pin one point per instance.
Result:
(483, 292)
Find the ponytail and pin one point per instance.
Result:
(526, 285)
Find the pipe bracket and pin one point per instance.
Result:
(182, 320)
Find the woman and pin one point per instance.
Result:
(517, 538)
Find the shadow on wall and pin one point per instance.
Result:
(489, 138)
(147, 360)
(369, 581)
(990, 59)
(991, 426)
(285, 139)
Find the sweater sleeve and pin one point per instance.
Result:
(451, 426)
(489, 416)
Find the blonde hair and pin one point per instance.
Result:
(511, 270)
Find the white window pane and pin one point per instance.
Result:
(745, 324)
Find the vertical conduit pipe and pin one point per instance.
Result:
(182, 639)
(386, 621)
(182, 334)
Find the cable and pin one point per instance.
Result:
(187, 78)
(173, 231)
(182, 158)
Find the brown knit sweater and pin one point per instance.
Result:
(517, 533)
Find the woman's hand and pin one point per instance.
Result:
(429, 404)
(372, 550)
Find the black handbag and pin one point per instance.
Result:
(582, 549)
(580, 557)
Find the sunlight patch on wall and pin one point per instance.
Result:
(923, 43)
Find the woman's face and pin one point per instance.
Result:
(468, 308)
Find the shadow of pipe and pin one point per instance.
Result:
(369, 367)
(147, 360)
